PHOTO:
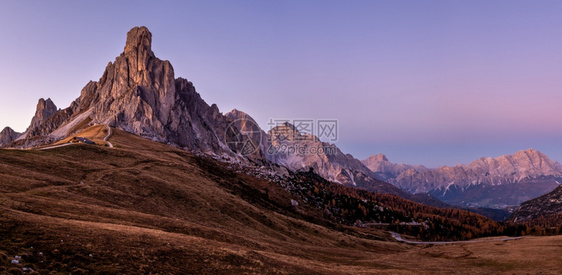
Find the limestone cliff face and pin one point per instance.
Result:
(286, 146)
(250, 140)
(45, 109)
(40, 125)
(8, 135)
(139, 93)
(490, 182)
(296, 151)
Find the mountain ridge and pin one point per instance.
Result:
(285, 145)
(140, 94)
(529, 170)
(7, 135)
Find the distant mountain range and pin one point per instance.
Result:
(497, 182)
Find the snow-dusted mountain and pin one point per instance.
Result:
(487, 182)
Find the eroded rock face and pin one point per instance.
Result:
(139, 93)
(40, 127)
(284, 145)
(252, 141)
(8, 135)
(296, 151)
(45, 109)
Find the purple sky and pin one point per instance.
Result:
(424, 82)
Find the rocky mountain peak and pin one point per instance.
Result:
(244, 121)
(524, 163)
(486, 182)
(138, 93)
(45, 106)
(45, 109)
(236, 114)
(139, 39)
(254, 142)
(528, 153)
(385, 170)
(287, 131)
(8, 135)
(378, 157)
(6, 130)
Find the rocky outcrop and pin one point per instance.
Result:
(488, 182)
(284, 145)
(8, 135)
(546, 205)
(386, 170)
(249, 139)
(39, 128)
(45, 109)
(139, 93)
(296, 151)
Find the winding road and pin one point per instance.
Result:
(398, 237)
(108, 135)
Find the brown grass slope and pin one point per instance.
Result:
(145, 207)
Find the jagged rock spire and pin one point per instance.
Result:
(139, 39)
(139, 93)
(45, 109)
(139, 57)
(8, 135)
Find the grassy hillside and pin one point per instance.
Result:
(145, 207)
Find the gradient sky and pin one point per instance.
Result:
(424, 82)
